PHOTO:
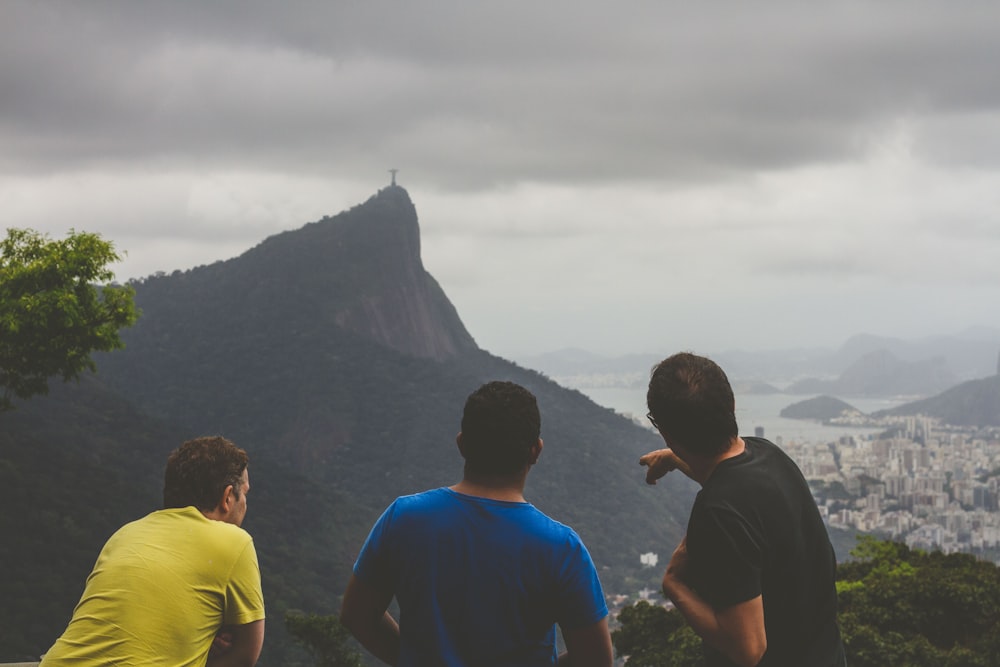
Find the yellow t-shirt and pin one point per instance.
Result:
(159, 592)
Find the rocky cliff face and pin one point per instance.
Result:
(398, 304)
(407, 320)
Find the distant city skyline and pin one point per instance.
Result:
(670, 176)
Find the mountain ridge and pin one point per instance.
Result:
(973, 403)
(881, 373)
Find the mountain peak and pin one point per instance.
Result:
(358, 272)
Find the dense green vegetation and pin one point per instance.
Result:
(651, 636)
(327, 641)
(899, 607)
(52, 316)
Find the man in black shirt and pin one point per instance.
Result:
(754, 576)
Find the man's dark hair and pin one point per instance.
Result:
(500, 425)
(199, 471)
(692, 403)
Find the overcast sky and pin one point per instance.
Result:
(618, 177)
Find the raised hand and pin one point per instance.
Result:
(662, 461)
(659, 463)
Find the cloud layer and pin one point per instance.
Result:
(620, 178)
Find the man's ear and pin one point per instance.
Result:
(461, 447)
(536, 451)
(227, 500)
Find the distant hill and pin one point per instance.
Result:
(968, 354)
(820, 408)
(340, 365)
(950, 359)
(576, 362)
(972, 403)
(754, 387)
(881, 373)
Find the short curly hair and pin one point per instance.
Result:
(500, 425)
(199, 471)
(692, 402)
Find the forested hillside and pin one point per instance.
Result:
(337, 362)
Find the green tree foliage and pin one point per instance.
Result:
(904, 607)
(52, 316)
(651, 636)
(324, 637)
(899, 607)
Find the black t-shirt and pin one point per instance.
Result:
(755, 530)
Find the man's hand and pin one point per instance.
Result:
(223, 642)
(659, 463)
(237, 645)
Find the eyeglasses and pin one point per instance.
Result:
(649, 416)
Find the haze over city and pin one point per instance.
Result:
(669, 176)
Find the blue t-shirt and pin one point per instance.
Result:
(479, 581)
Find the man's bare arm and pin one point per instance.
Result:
(244, 645)
(589, 646)
(363, 613)
(737, 631)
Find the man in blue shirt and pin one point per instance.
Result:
(481, 576)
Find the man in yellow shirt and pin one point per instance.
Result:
(166, 586)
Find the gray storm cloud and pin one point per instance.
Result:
(653, 153)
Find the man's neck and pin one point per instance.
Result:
(702, 469)
(736, 447)
(510, 490)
